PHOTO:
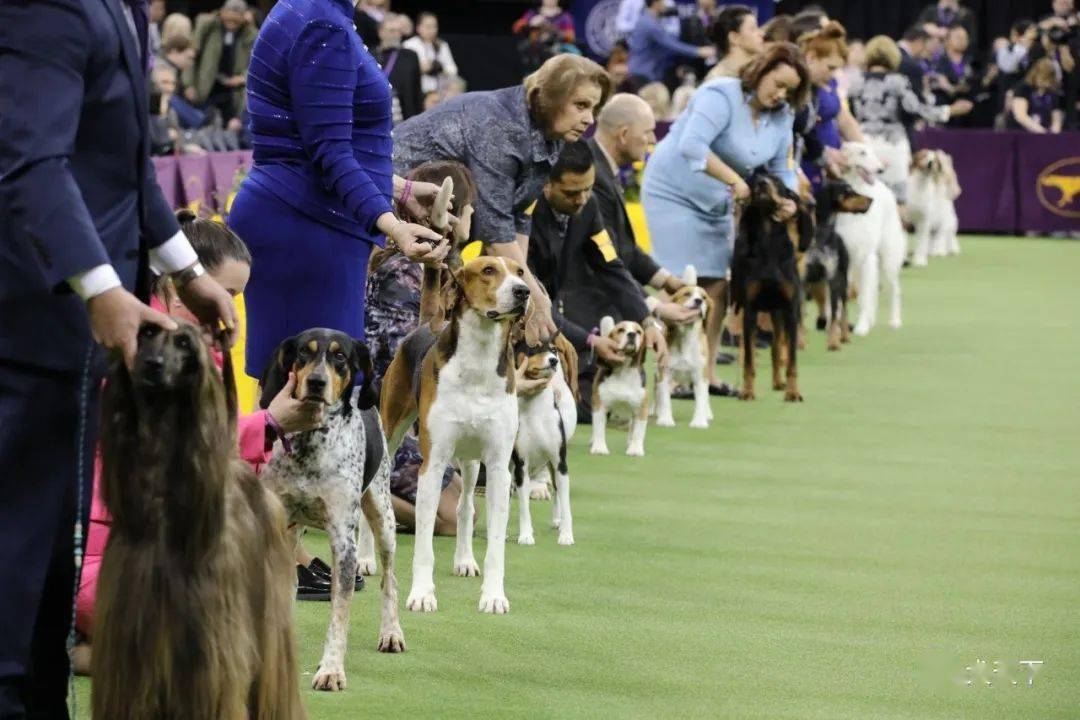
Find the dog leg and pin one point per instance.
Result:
(868, 296)
(525, 526)
(342, 530)
(790, 322)
(492, 592)
(429, 485)
(891, 278)
(562, 501)
(777, 352)
(379, 511)
(922, 244)
(664, 417)
(599, 431)
(835, 316)
(635, 446)
(749, 328)
(365, 554)
(464, 560)
(702, 411)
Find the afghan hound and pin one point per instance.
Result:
(195, 596)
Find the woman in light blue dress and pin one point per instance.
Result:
(696, 175)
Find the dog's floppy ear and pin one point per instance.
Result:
(607, 324)
(363, 373)
(277, 372)
(568, 361)
(689, 275)
(639, 356)
(440, 208)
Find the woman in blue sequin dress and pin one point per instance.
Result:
(321, 186)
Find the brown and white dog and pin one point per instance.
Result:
(620, 388)
(328, 476)
(546, 422)
(688, 355)
(932, 191)
(461, 386)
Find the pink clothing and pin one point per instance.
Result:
(251, 437)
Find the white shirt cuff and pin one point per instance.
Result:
(173, 255)
(652, 302)
(94, 281)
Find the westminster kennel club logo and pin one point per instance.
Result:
(1058, 187)
(600, 30)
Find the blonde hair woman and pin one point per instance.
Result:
(1037, 104)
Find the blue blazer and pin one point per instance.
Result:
(77, 188)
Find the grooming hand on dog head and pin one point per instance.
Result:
(327, 477)
(460, 384)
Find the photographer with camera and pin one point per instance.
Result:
(1060, 41)
(653, 51)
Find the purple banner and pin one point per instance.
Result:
(201, 182)
(1048, 182)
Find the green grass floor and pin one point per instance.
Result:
(847, 557)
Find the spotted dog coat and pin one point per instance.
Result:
(460, 386)
(621, 388)
(688, 355)
(333, 474)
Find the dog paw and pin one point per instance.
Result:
(666, 421)
(494, 604)
(540, 491)
(896, 323)
(700, 423)
(599, 450)
(820, 323)
(466, 568)
(862, 329)
(792, 397)
(834, 346)
(331, 680)
(366, 566)
(422, 602)
(919, 262)
(745, 394)
(566, 538)
(526, 539)
(778, 385)
(392, 640)
(635, 451)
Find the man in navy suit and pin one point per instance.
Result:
(82, 220)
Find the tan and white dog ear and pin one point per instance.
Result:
(689, 275)
(451, 293)
(440, 209)
(607, 324)
(464, 225)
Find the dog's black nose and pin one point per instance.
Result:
(631, 336)
(553, 361)
(316, 384)
(521, 292)
(697, 302)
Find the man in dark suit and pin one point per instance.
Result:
(912, 55)
(402, 68)
(83, 217)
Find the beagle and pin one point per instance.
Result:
(546, 422)
(326, 477)
(621, 388)
(688, 355)
(460, 385)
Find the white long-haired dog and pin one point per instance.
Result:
(875, 240)
(932, 191)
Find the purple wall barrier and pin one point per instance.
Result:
(201, 181)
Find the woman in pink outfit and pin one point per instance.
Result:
(228, 261)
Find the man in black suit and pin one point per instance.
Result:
(912, 52)
(402, 68)
(83, 217)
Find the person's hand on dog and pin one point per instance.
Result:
(527, 387)
(607, 350)
(835, 162)
(740, 190)
(539, 327)
(212, 304)
(115, 318)
(420, 244)
(295, 415)
(673, 312)
(785, 210)
(654, 340)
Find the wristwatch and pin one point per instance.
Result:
(183, 277)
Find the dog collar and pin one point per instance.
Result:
(274, 425)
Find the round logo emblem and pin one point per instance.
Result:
(1058, 187)
(600, 33)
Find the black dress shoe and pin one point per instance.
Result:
(322, 570)
(723, 390)
(724, 358)
(821, 323)
(310, 586)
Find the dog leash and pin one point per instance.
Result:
(77, 533)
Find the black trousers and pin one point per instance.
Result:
(40, 424)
